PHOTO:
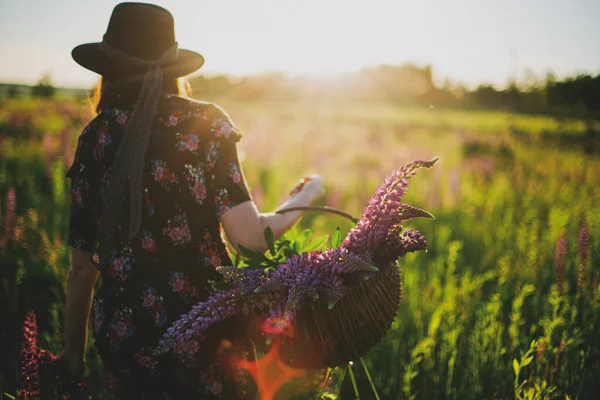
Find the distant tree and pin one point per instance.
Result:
(13, 92)
(44, 87)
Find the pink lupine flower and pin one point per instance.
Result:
(583, 244)
(560, 261)
(10, 216)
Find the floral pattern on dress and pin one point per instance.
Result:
(222, 127)
(175, 118)
(147, 242)
(187, 142)
(213, 385)
(181, 285)
(104, 140)
(122, 119)
(177, 230)
(153, 302)
(121, 266)
(223, 201)
(234, 172)
(163, 175)
(120, 327)
(209, 253)
(196, 182)
(79, 192)
(212, 154)
(147, 363)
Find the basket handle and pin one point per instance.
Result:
(318, 208)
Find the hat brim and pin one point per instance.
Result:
(91, 57)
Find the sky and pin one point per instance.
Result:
(469, 41)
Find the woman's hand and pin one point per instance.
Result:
(310, 187)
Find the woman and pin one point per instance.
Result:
(155, 177)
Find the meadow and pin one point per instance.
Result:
(504, 304)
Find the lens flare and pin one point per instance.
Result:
(270, 373)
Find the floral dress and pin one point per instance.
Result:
(192, 176)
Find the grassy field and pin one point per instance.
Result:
(505, 303)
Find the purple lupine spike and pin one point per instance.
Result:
(399, 243)
(29, 377)
(560, 261)
(10, 216)
(380, 215)
(583, 244)
(244, 280)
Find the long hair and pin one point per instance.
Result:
(113, 94)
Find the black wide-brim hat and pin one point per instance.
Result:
(144, 31)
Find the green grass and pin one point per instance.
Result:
(484, 313)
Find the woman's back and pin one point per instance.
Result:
(191, 177)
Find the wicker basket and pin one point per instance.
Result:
(321, 337)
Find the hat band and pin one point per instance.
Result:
(115, 54)
(128, 166)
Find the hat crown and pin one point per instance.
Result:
(144, 31)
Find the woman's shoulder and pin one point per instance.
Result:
(204, 115)
(195, 108)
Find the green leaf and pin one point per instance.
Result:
(516, 367)
(282, 244)
(317, 243)
(329, 396)
(301, 240)
(246, 251)
(526, 361)
(336, 238)
(9, 396)
(255, 259)
(270, 239)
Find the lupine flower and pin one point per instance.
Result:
(34, 358)
(29, 374)
(376, 241)
(583, 252)
(583, 244)
(385, 211)
(560, 261)
(10, 216)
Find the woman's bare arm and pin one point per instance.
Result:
(80, 290)
(245, 225)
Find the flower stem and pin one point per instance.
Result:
(319, 208)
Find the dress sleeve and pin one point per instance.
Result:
(227, 185)
(86, 176)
